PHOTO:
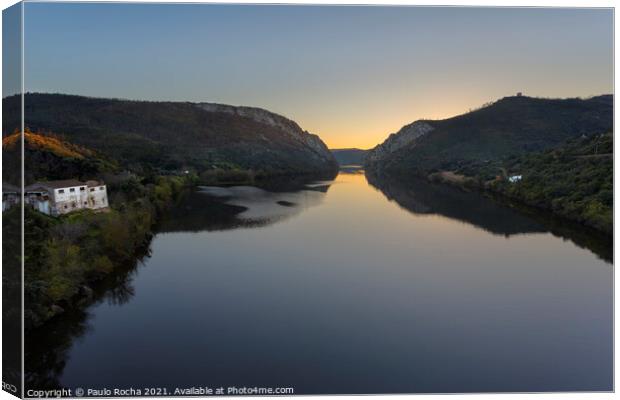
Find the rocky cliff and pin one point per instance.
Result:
(277, 121)
(406, 136)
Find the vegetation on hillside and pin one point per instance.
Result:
(512, 125)
(172, 136)
(48, 157)
(574, 180)
(567, 166)
(64, 255)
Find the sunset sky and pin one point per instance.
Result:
(352, 75)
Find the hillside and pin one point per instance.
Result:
(173, 136)
(574, 180)
(48, 157)
(512, 125)
(349, 156)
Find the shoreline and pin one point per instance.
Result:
(467, 183)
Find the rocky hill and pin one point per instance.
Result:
(512, 125)
(175, 136)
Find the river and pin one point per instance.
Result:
(345, 286)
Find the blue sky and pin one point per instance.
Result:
(350, 74)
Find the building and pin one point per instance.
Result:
(10, 196)
(62, 197)
(37, 198)
(515, 178)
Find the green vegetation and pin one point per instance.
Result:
(49, 157)
(65, 254)
(574, 180)
(170, 137)
(555, 144)
(512, 125)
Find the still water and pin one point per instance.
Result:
(350, 287)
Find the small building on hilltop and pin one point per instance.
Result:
(62, 197)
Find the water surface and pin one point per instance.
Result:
(347, 287)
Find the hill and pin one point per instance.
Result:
(174, 136)
(48, 157)
(574, 180)
(512, 125)
(349, 156)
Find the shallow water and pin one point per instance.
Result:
(347, 288)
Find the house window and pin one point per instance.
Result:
(101, 188)
(72, 190)
(65, 206)
(61, 191)
(85, 203)
(82, 189)
(92, 189)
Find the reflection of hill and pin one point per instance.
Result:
(421, 197)
(222, 208)
(46, 347)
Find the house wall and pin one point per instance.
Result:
(97, 197)
(69, 199)
(42, 206)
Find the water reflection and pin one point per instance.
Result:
(494, 215)
(213, 208)
(47, 348)
(341, 291)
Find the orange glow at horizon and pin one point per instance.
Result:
(365, 131)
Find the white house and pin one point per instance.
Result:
(61, 197)
(515, 178)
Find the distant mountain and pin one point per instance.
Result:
(48, 157)
(349, 156)
(175, 135)
(512, 125)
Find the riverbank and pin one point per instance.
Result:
(573, 181)
(592, 213)
(65, 255)
(238, 176)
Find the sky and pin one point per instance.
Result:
(352, 75)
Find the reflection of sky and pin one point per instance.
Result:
(263, 205)
(357, 295)
(350, 74)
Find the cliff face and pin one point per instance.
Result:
(176, 135)
(406, 136)
(510, 126)
(274, 120)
